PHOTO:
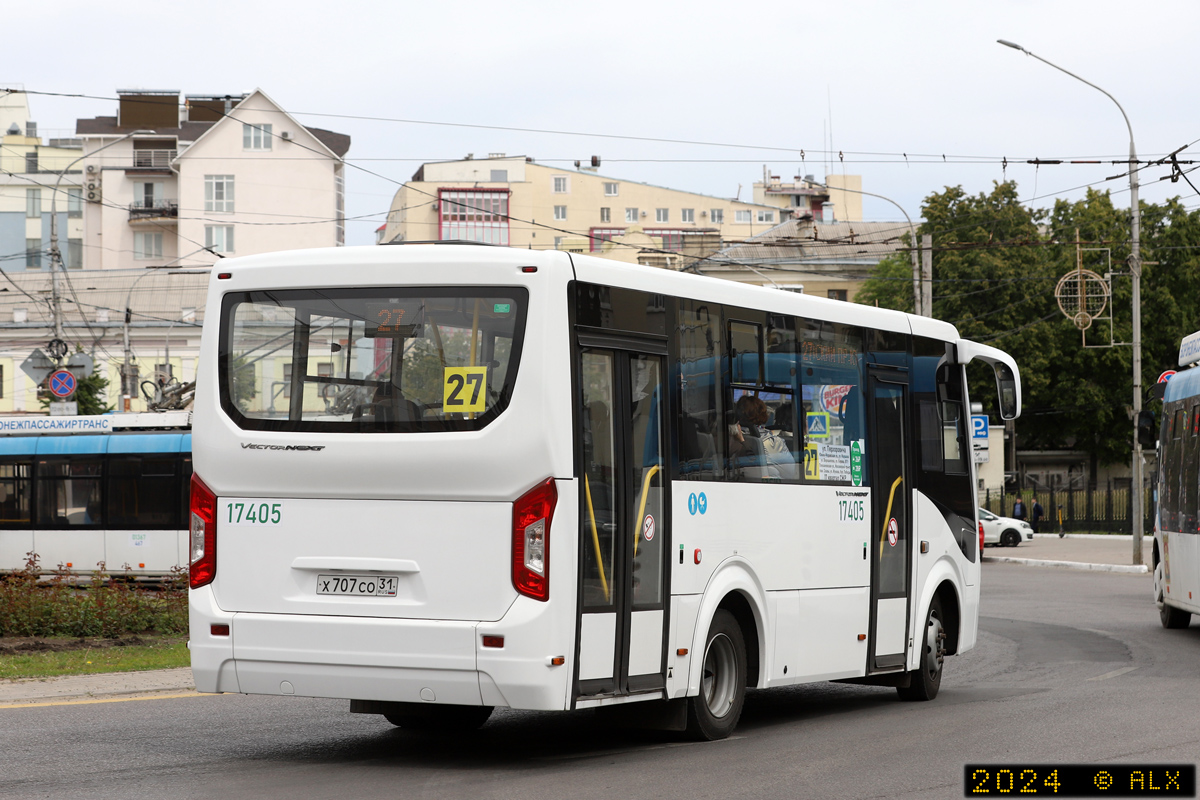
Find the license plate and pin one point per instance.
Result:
(358, 585)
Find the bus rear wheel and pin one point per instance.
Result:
(926, 679)
(714, 713)
(438, 718)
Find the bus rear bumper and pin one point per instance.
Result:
(396, 660)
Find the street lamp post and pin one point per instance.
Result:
(56, 261)
(1135, 269)
(127, 389)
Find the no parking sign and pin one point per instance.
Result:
(62, 383)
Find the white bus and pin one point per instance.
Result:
(1176, 553)
(436, 479)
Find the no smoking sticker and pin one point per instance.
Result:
(893, 532)
(648, 528)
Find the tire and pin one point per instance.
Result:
(438, 718)
(926, 679)
(1170, 616)
(1010, 538)
(714, 712)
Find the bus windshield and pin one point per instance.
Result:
(370, 360)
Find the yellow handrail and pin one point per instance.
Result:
(637, 521)
(587, 490)
(888, 515)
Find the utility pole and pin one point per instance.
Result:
(926, 275)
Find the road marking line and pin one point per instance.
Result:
(1112, 674)
(102, 700)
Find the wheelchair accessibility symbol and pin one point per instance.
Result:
(697, 503)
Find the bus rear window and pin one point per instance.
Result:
(387, 360)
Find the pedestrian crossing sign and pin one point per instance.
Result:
(818, 424)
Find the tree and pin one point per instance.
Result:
(996, 264)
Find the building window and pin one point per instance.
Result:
(631, 215)
(558, 240)
(74, 202)
(717, 216)
(33, 254)
(33, 203)
(31, 161)
(662, 215)
(599, 236)
(147, 245)
(339, 193)
(742, 216)
(560, 184)
(606, 215)
(499, 176)
(74, 253)
(217, 237)
(479, 215)
(149, 194)
(837, 294)
(687, 215)
(672, 238)
(560, 213)
(256, 137)
(766, 216)
(610, 189)
(218, 193)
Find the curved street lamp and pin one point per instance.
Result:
(1135, 269)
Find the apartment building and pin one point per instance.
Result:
(839, 199)
(30, 170)
(518, 202)
(178, 181)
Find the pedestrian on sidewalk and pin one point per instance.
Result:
(1019, 511)
(1037, 514)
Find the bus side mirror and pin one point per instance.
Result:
(1147, 431)
(1006, 390)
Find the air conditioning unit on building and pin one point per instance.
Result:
(285, 135)
(92, 169)
(93, 190)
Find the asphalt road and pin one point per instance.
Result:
(1072, 666)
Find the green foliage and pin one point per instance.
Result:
(35, 604)
(996, 264)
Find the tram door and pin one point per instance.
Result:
(892, 544)
(624, 527)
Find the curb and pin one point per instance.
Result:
(1109, 537)
(1130, 569)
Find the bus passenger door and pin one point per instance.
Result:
(623, 525)
(889, 549)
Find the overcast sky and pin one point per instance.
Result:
(759, 82)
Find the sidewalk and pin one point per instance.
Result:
(1073, 551)
(108, 687)
(1076, 551)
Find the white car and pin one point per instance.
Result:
(1004, 531)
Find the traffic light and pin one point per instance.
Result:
(1147, 429)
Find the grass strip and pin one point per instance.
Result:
(166, 653)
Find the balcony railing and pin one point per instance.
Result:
(154, 209)
(153, 158)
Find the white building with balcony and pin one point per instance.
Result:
(206, 176)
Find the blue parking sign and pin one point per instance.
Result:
(979, 426)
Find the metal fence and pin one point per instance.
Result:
(1103, 510)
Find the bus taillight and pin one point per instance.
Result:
(203, 556)
(981, 540)
(532, 514)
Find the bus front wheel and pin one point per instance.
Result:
(714, 713)
(926, 679)
(438, 718)
(1170, 616)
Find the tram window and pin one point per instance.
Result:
(16, 491)
(142, 491)
(69, 493)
